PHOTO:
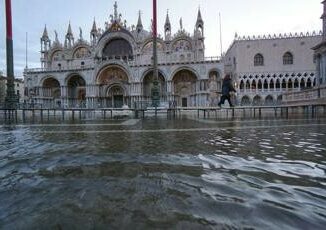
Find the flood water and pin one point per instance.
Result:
(164, 174)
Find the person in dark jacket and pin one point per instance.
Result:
(227, 87)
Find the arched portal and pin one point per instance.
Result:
(51, 92)
(184, 90)
(51, 88)
(148, 85)
(76, 91)
(115, 96)
(113, 82)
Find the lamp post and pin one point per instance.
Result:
(156, 88)
(11, 98)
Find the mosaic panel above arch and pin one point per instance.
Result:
(58, 56)
(148, 48)
(112, 74)
(181, 45)
(81, 52)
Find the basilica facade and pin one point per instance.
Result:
(115, 67)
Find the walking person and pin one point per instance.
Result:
(227, 87)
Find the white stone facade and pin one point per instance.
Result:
(266, 67)
(115, 68)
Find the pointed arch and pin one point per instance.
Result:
(260, 84)
(296, 83)
(278, 84)
(257, 100)
(290, 84)
(302, 83)
(272, 84)
(309, 83)
(265, 86)
(284, 85)
(242, 85)
(245, 101)
(269, 100)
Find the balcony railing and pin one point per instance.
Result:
(58, 69)
(130, 60)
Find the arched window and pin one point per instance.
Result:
(265, 84)
(287, 58)
(242, 85)
(258, 60)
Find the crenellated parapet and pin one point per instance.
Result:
(279, 36)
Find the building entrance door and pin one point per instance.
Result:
(118, 101)
(184, 102)
(115, 97)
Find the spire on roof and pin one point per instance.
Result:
(69, 31)
(94, 27)
(69, 41)
(200, 20)
(167, 20)
(45, 34)
(139, 26)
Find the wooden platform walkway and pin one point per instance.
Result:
(202, 112)
(257, 111)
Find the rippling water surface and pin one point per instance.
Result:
(159, 174)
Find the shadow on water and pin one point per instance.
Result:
(184, 173)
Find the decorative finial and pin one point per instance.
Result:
(80, 33)
(56, 36)
(115, 11)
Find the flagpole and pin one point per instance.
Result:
(155, 89)
(26, 50)
(221, 34)
(10, 97)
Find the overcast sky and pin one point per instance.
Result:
(245, 17)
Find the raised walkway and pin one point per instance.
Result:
(307, 109)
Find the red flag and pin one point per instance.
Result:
(8, 19)
(154, 18)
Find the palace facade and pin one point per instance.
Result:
(114, 68)
(267, 67)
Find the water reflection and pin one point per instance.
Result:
(156, 173)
